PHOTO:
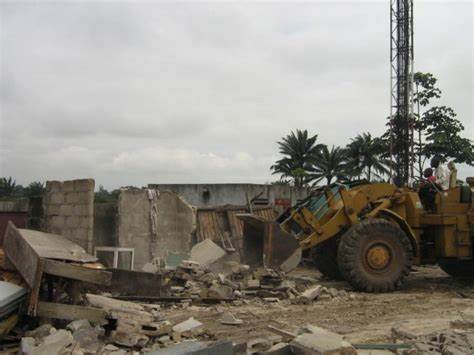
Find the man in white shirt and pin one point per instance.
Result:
(441, 172)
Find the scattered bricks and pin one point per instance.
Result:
(229, 319)
(55, 343)
(221, 292)
(279, 349)
(258, 345)
(129, 339)
(321, 341)
(189, 325)
(311, 294)
(27, 345)
(252, 284)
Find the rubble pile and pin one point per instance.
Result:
(195, 281)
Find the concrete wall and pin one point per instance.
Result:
(69, 210)
(175, 224)
(235, 194)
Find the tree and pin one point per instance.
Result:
(438, 129)
(366, 155)
(34, 189)
(299, 150)
(9, 188)
(329, 164)
(102, 195)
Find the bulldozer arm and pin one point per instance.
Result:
(266, 244)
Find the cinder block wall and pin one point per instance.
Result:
(69, 210)
(175, 224)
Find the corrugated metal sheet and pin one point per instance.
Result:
(221, 223)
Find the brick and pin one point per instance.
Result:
(72, 197)
(68, 186)
(86, 222)
(53, 186)
(89, 209)
(51, 210)
(72, 221)
(66, 210)
(79, 210)
(57, 222)
(83, 185)
(86, 197)
(56, 198)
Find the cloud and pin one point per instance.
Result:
(134, 93)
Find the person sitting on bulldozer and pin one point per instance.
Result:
(441, 172)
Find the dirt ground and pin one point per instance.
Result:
(428, 302)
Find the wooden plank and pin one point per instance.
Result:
(76, 272)
(70, 312)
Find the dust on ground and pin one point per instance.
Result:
(428, 302)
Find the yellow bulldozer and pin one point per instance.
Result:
(368, 234)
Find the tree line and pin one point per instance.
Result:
(437, 131)
(10, 189)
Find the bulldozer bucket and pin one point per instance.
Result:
(266, 244)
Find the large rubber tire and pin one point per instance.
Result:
(458, 268)
(325, 259)
(375, 256)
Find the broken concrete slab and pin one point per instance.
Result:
(279, 349)
(229, 319)
(320, 341)
(311, 293)
(206, 252)
(190, 324)
(54, 343)
(221, 292)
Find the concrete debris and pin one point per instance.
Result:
(321, 293)
(229, 319)
(317, 340)
(188, 325)
(206, 252)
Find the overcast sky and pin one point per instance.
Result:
(137, 93)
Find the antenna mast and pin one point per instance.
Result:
(401, 85)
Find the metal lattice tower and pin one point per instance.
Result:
(401, 99)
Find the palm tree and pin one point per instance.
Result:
(329, 164)
(7, 186)
(366, 154)
(35, 189)
(298, 150)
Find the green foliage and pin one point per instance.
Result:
(299, 150)
(102, 195)
(9, 188)
(366, 155)
(34, 189)
(427, 81)
(438, 129)
(329, 164)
